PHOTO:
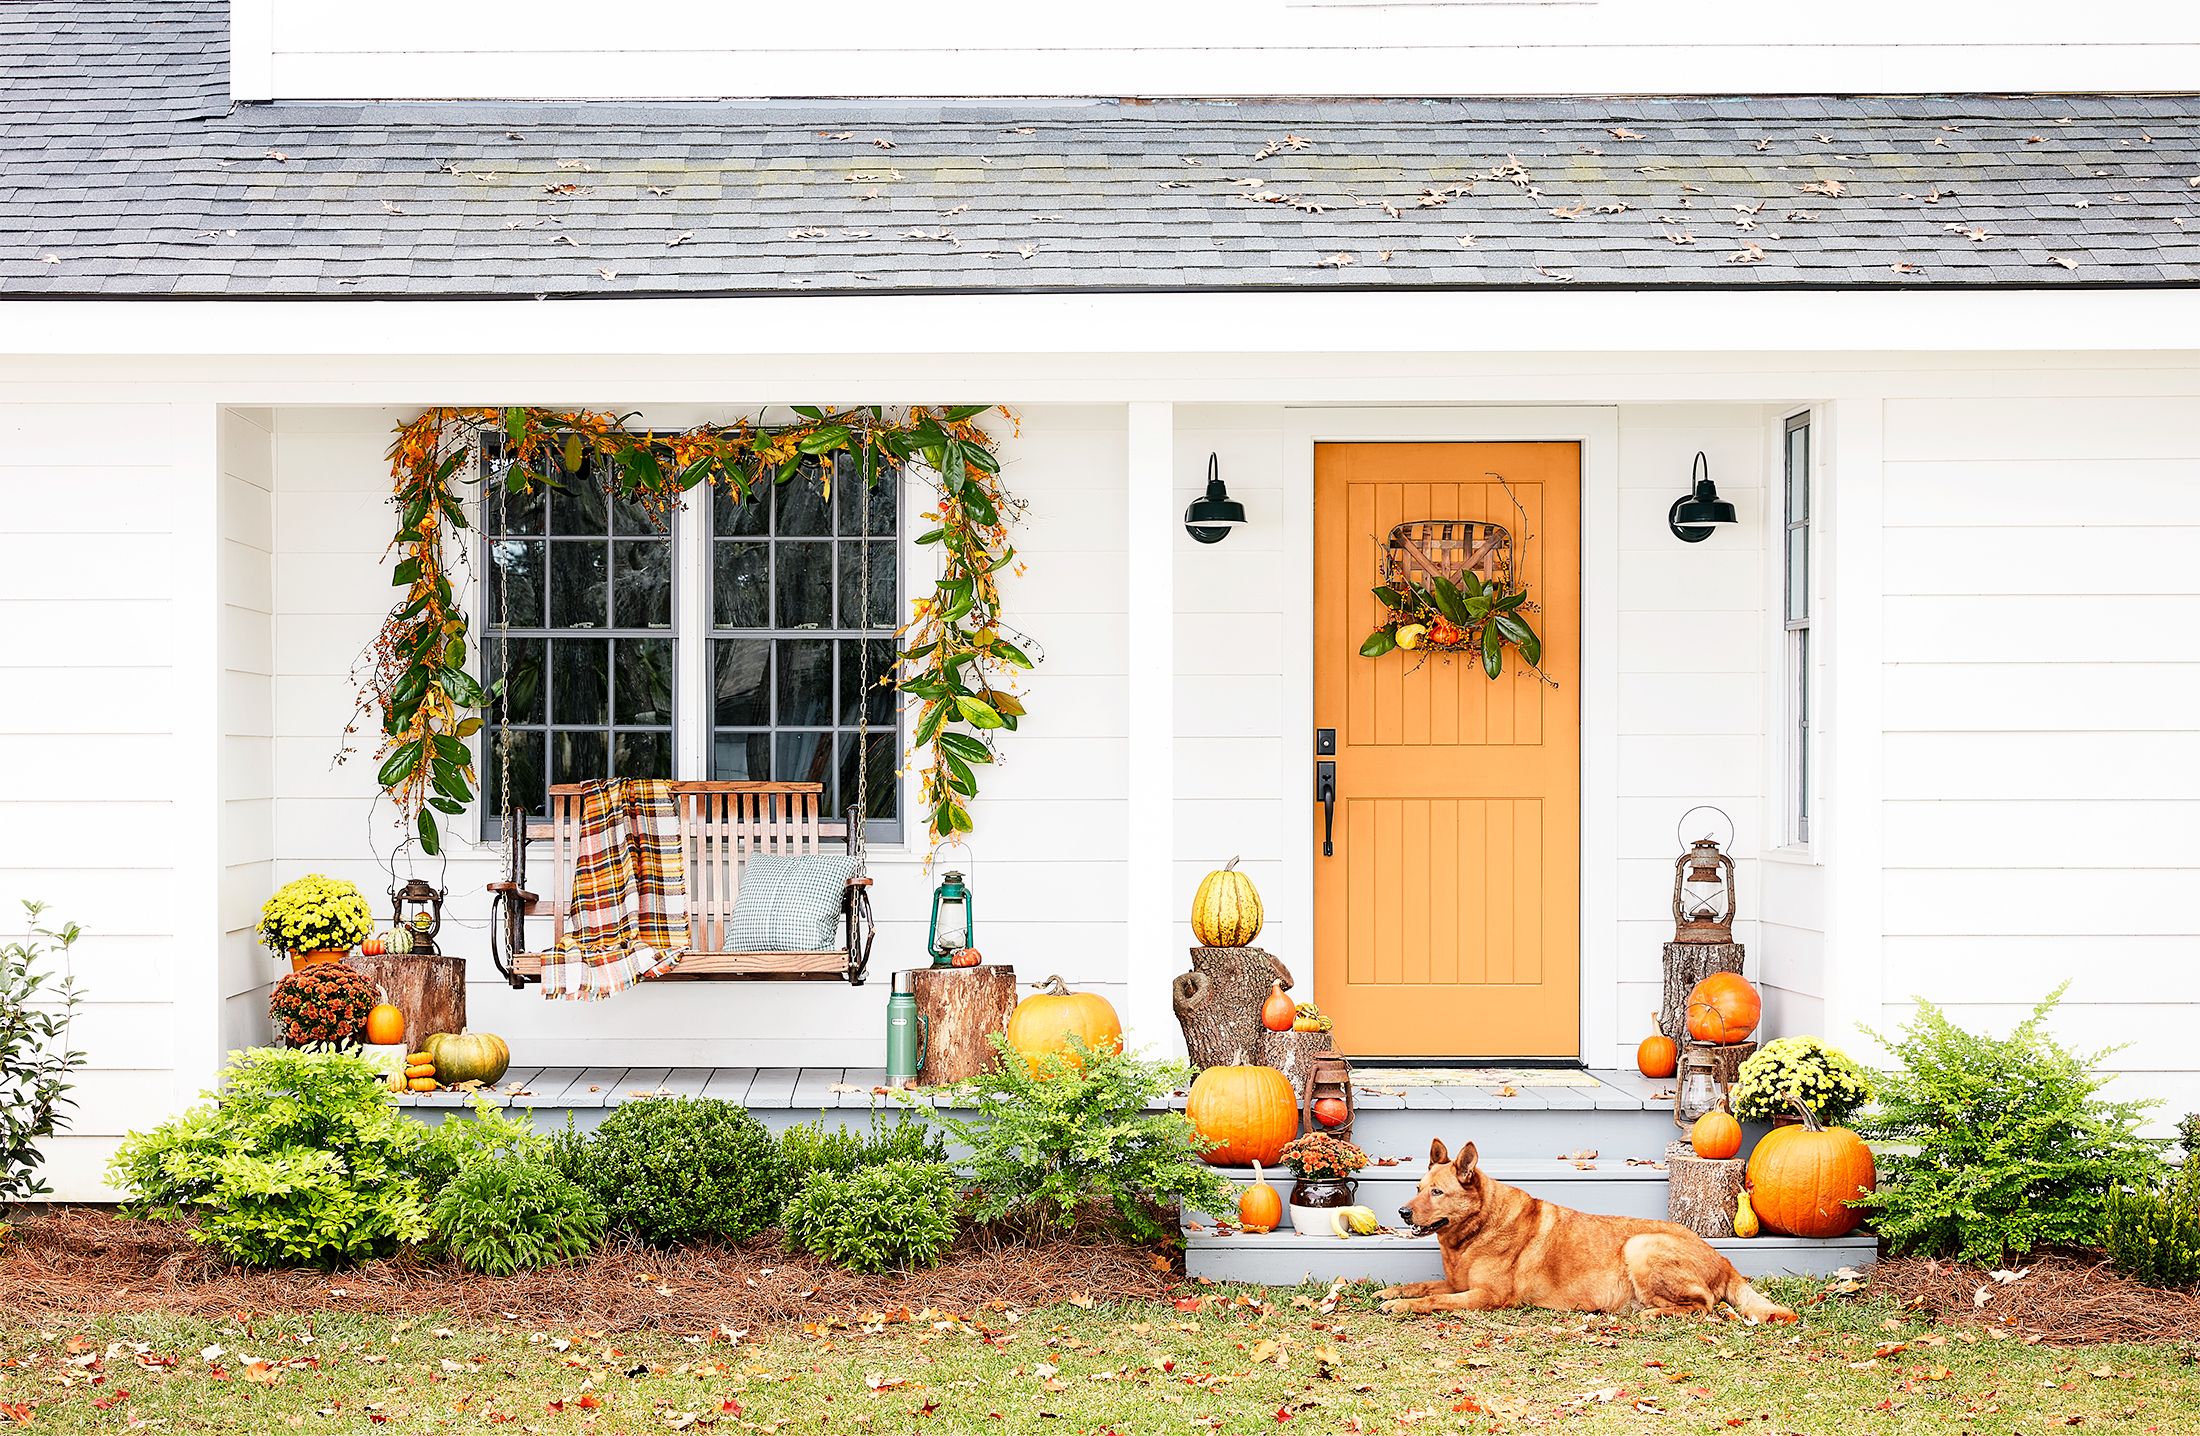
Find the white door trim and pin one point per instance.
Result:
(1596, 429)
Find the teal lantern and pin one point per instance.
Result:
(951, 918)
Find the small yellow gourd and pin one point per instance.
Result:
(1745, 1217)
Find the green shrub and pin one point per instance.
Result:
(300, 1158)
(36, 1061)
(488, 1135)
(2152, 1232)
(679, 1169)
(2004, 1143)
(812, 1147)
(890, 1216)
(1805, 1069)
(1052, 1136)
(501, 1214)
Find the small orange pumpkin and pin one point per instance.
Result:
(1260, 1207)
(1331, 1111)
(1246, 1113)
(1279, 1011)
(385, 1025)
(1716, 1135)
(1044, 1023)
(1657, 1055)
(1723, 1008)
(1801, 1179)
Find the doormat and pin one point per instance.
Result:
(1473, 1077)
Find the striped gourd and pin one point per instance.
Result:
(1226, 910)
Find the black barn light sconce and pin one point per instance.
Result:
(1211, 517)
(1695, 513)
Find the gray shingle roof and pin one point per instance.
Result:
(125, 171)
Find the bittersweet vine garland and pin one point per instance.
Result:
(957, 665)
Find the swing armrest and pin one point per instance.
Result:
(859, 881)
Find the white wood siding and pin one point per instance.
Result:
(2042, 789)
(247, 528)
(563, 49)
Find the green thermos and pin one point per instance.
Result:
(906, 1033)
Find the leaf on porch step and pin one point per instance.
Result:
(647, 1092)
(1508, 1090)
(844, 1087)
(1586, 1154)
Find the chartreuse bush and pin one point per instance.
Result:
(503, 1214)
(488, 1136)
(2004, 1143)
(890, 1216)
(298, 1159)
(813, 1147)
(681, 1169)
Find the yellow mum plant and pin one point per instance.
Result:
(314, 913)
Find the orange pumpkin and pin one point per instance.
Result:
(1657, 1056)
(1045, 1022)
(1716, 1135)
(1247, 1114)
(385, 1025)
(1260, 1207)
(1723, 1008)
(1279, 1011)
(1801, 1178)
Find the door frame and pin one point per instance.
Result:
(1596, 430)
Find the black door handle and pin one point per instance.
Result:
(1325, 793)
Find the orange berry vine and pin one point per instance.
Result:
(958, 666)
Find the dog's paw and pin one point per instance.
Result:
(1387, 1292)
(1403, 1306)
(1782, 1317)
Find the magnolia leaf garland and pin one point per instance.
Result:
(959, 663)
(1471, 616)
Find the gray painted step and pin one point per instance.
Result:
(1285, 1258)
(1609, 1187)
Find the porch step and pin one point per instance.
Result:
(1286, 1258)
(1607, 1186)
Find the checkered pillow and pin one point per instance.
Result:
(789, 902)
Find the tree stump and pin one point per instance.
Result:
(430, 989)
(1726, 1058)
(1218, 1003)
(1292, 1053)
(963, 1008)
(1700, 1192)
(1686, 964)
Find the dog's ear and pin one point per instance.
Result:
(1465, 1164)
(1438, 1154)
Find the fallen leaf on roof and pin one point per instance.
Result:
(1621, 132)
(2065, 263)
(1680, 236)
(1027, 250)
(278, 156)
(1765, 144)
(1747, 254)
(1335, 261)
(1830, 188)
(2035, 139)
(567, 188)
(389, 208)
(50, 258)
(836, 134)
(567, 239)
(569, 164)
(1900, 268)
(1466, 241)
(958, 209)
(1575, 211)
(940, 236)
(681, 238)
(884, 144)
(1022, 130)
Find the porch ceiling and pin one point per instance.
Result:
(126, 172)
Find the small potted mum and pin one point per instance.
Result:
(316, 919)
(325, 1004)
(1321, 1168)
(1800, 1069)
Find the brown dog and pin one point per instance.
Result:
(1503, 1247)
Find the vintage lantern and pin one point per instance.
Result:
(952, 912)
(418, 908)
(1696, 1087)
(1703, 894)
(1329, 1106)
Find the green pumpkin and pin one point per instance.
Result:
(467, 1056)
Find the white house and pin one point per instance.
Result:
(1937, 348)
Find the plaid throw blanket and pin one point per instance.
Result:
(627, 916)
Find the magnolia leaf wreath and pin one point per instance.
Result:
(959, 664)
(1470, 614)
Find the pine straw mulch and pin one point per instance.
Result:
(2064, 1298)
(79, 1262)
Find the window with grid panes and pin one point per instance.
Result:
(798, 630)
(1795, 604)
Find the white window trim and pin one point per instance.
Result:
(1780, 757)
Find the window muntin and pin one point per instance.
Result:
(1796, 617)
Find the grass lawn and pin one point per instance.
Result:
(1226, 1360)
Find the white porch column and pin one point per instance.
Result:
(1149, 915)
(195, 657)
(1853, 716)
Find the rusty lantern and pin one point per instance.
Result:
(418, 908)
(1696, 1087)
(1703, 890)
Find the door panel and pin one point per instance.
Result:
(1448, 922)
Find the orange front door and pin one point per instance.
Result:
(1447, 923)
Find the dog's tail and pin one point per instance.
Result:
(1747, 1300)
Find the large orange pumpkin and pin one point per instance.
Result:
(1657, 1055)
(1801, 1178)
(385, 1025)
(1044, 1023)
(1723, 1008)
(1248, 1113)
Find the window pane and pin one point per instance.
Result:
(805, 682)
(525, 694)
(857, 670)
(848, 492)
(731, 516)
(577, 589)
(1798, 573)
(642, 584)
(577, 757)
(634, 520)
(527, 783)
(741, 757)
(512, 513)
(741, 585)
(642, 753)
(743, 671)
(644, 681)
(579, 508)
(805, 585)
(515, 582)
(799, 504)
(881, 611)
(1798, 475)
(580, 689)
(805, 758)
(879, 778)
